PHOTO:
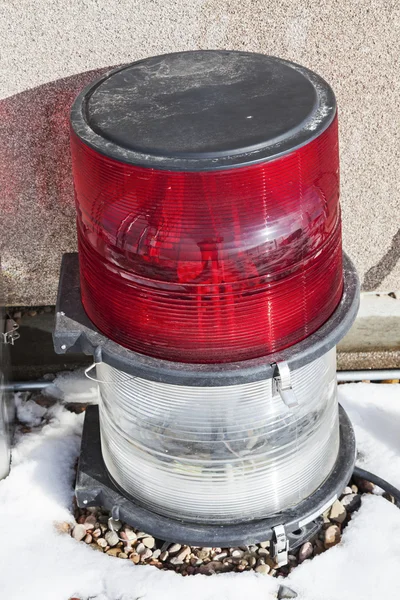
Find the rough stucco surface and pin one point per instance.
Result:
(353, 44)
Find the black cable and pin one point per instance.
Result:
(387, 487)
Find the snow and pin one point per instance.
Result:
(73, 387)
(366, 563)
(375, 413)
(38, 563)
(29, 413)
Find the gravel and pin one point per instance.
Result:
(95, 528)
(149, 542)
(140, 548)
(174, 548)
(111, 538)
(263, 569)
(351, 502)
(79, 532)
(338, 512)
(332, 536)
(306, 551)
(364, 486)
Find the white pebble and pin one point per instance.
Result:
(163, 556)
(146, 554)
(263, 569)
(112, 538)
(149, 542)
(140, 548)
(79, 532)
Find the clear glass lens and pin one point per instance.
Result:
(221, 454)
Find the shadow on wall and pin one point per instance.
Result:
(34, 150)
(37, 209)
(375, 276)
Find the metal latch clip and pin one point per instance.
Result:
(10, 335)
(283, 384)
(280, 546)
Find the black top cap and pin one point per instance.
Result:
(203, 110)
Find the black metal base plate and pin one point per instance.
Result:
(94, 487)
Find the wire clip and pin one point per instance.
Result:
(283, 384)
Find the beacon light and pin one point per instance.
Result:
(215, 249)
(211, 291)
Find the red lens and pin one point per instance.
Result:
(215, 266)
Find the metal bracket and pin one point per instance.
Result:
(283, 384)
(280, 546)
(10, 335)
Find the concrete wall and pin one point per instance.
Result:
(44, 44)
